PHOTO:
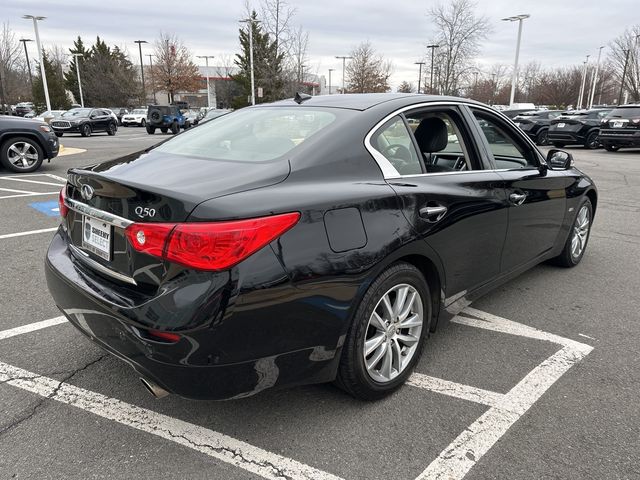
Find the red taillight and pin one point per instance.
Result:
(164, 336)
(209, 246)
(635, 120)
(62, 206)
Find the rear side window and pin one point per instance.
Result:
(394, 142)
(628, 112)
(251, 135)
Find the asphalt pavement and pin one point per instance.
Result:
(538, 380)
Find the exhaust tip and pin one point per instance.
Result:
(153, 388)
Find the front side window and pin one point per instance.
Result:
(394, 142)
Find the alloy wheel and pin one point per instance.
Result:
(393, 333)
(22, 155)
(580, 232)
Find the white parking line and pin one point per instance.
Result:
(31, 232)
(18, 179)
(453, 389)
(29, 195)
(56, 177)
(31, 327)
(15, 191)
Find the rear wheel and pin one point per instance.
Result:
(111, 129)
(175, 128)
(592, 142)
(611, 148)
(143, 122)
(543, 138)
(21, 155)
(576, 243)
(59, 134)
(85, 130)
(164, 129)
(151, 130)
(388, 332)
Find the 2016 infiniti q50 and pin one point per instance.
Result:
(308, 241)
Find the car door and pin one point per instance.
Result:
(536, 195)
(453, 203)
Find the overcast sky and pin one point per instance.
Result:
(559, 32)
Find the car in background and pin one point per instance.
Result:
(85, 121)
(166, 118)
(514, 112)
(577, 127)
(24, 144)
(536, 124)
(24, 108)
(621, 128)
(118, 112)
(309, 240)
(192, 116)
(213, 113)
(138, 116)
(49, 115)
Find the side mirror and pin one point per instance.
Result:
(559, 160)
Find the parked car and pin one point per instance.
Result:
(85, 121)
(165, 118)
(192, 116)
(211, 114)
(136, 117)
(514, 112)
(308, 240)
(536, 124)
(49, 115)
(24, 108)
(621, 128)
(119, 112)
(578, 127)
(24, 144)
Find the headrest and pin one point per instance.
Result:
(431, 135)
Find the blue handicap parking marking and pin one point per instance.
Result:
(48, 208)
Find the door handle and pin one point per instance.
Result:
(518, 198)
(430, 212)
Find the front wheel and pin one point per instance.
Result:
(85, 131)
(143, 122)
(542, 138)
(151, 129)
(175, 128)
(388, 332)
(576, 243)
(59, 134)
(592, 142)
(111, 129)
(21, 155)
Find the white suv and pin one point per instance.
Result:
(136, 117)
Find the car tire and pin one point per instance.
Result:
(164, 129)
(611, 148)
(377, 373)
(155, 115)
(592, 141)
(143, 122)
(59, 134)
(576, 243)
(125, 125)
(12, 159)
(111, 129)
(175, 128)
(151, 129)
(85, 130)
(558, 145)
(542, 138)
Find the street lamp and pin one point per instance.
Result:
(26, 54)
(584, 79)
(152, 87)
(519, 19)
(594, 80)
(433, 49)
(419, 73)
(330, 70)
(250, 22)
(77, 56)
(42, 72)
(206, 61)
(144, 90)
(344, 59)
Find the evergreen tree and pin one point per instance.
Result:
(71, 77)
(57, 92)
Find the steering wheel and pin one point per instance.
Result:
(401, 152)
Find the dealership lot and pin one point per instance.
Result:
(538, 379)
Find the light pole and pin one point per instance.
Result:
(419, 73)
(77, 57)
(144, 90)
(330, 70)
(433, 48)
(26, 54)
(584, 79)
(206, 61)
(595, 80)
(42, 72)
(250, 22)
(344, 59)
(519, 19)
(152, 87)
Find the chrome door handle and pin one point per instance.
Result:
(517, 198)
(430, 212)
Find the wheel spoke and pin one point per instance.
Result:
(378, 322)
(32, 156)
(412, 321)
(376, 357)
(385, 368)
(397, 355)
(25, 163)
(14, 149)
(401, 297)
(407, 306)
(387, 307)
(373, 343)
(408, 340)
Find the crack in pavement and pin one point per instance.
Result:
(27, 417)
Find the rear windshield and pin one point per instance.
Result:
(628, 112)
(251, 135)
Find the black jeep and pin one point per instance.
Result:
(165, 118)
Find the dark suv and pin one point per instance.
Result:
(579, 127)
(84, 121)
(536, 124)
(24, 144)
(621, 128)
(165, 118)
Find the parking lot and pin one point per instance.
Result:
(539, 379)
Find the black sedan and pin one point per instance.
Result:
(25, 144)
(308, 241)
(536, 124)
(578, 127)
(84, 121)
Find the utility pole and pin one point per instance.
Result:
(624, 74)
(514, 79)
(206, 61)
(584, 79)
(42, 72)
(152, 83)
(330, 70)
(250, 21)
(344, 59)
(77, 57)
(433, 48)
(144, 90)
(26, 54)
(419, 73)
(595, 80)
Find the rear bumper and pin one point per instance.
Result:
(620, 139)
(214, 358)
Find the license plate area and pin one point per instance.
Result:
(618, 124)
(97, 237)
(560, 125)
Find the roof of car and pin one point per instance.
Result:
(363, 101)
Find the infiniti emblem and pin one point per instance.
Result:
(87, 192)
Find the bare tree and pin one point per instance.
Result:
(406, 87)
(9, 63)
(173, 69)
(459, 33)
(299, 56)
(624, 52)
(368, 71)
(225, 88)
(277, 18)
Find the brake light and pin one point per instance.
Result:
(164, 336)
(62, 206)
(210, 245)
(635, 120)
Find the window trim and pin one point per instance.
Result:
(412, 141)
